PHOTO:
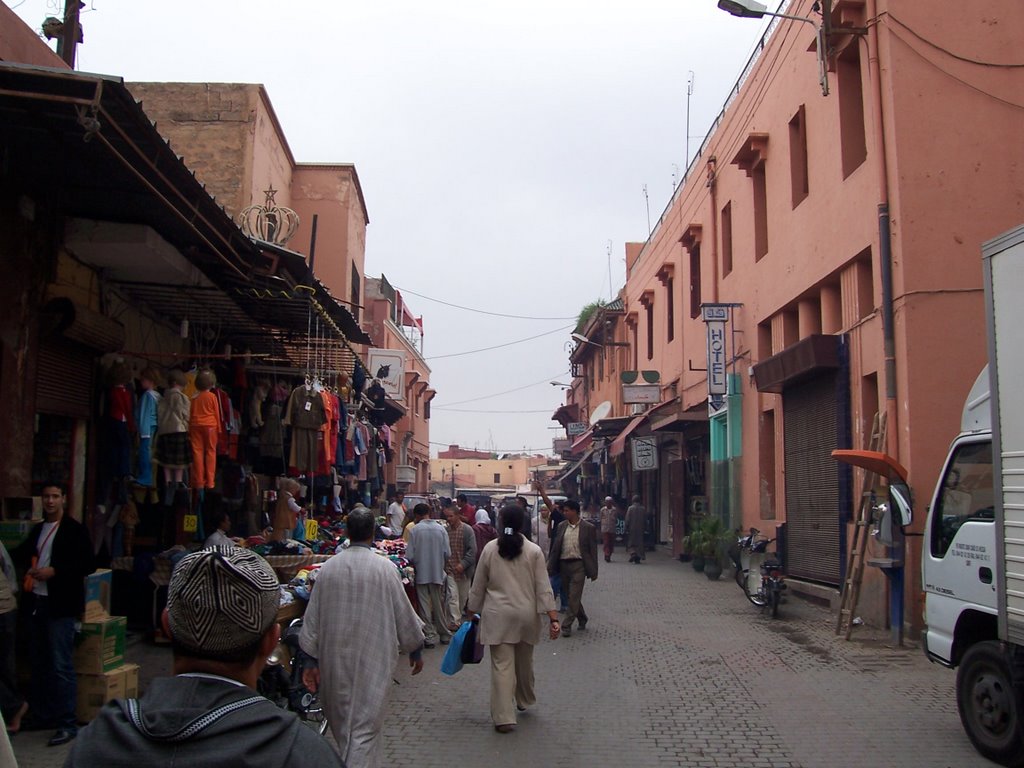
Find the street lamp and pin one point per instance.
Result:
(560, 384)
(751, 9)
(584, 340)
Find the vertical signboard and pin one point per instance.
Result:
(715, 317)
(645, 454)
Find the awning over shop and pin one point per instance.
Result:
(393, 411)
(582, 442)
(797, 362)
(83, 142)
(619, 443)
(574, 468)
(671, 417)
(81, 146)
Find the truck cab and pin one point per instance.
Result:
(958, 557)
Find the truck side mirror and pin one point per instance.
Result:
(901, 504)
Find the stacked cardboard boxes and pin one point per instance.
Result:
(99, 652)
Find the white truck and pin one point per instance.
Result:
(973, 549)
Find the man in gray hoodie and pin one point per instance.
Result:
(221, 609)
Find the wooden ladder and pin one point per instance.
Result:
(861, 535)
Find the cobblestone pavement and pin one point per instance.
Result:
(675, 670)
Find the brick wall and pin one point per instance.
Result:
(212, 126)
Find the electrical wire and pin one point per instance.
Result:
(946, 51)
(469, 410)
(478, 311)
(500, 346)
(950, 75)
(545, 380)
(494, 450)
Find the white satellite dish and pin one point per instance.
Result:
(600, 412)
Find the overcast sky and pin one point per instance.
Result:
(501, 146)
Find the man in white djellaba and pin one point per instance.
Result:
(357, 619)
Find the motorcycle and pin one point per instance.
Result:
(760, 577)
(281, 681)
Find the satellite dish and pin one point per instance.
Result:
(600, 412)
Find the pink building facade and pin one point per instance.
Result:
(778, 221)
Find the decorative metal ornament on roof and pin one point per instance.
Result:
(269, 222)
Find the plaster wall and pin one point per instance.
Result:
(954, 179)
(332, 193)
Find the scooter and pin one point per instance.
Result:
(281, 681)
(760, 577)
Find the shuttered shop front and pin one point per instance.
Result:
(811, 430)
(64, 379)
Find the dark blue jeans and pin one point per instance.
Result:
(54, 690)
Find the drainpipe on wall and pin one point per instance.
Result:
(898, 551)
(884, 237)
(712, 170)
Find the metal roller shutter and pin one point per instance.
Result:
(64, 380)
(810, 414)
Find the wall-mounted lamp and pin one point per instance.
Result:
(751, 9)
(584, 340)
(560, 384)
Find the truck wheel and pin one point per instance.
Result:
(990, 708)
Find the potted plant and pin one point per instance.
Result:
(714, 539)
(693, 545)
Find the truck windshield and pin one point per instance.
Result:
(966, 495)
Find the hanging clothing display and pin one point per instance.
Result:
(120, 425)
(146, 418)
(172, 446)
(205, 424)
(305, 414)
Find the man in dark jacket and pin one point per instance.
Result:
(221, 616)
(58, 556)
(573, 554)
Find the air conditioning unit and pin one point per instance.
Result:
(637, 408)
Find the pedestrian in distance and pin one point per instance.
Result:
(609, 517)
(357, 619)
(527, 517)
(461, 563)
(484, 531)
(396, 514)
(57, 555)
(636, 518)
(573, 555)
(221, 617)
(428, 551)
(511, 592)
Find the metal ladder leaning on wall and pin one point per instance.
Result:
(861, 535)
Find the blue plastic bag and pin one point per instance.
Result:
(452, 661)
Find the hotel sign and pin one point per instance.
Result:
(715, 317)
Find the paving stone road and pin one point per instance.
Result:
(675, 670)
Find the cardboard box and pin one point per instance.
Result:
(101, 646)
(96, 690)
(22, 508)
(131, 681)
(97, 595)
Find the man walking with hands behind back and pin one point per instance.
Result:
(428, 550)
(358, 617)
(574, 555)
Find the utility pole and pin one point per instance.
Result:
(71, 35)
(689, 93)
(647, 201)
